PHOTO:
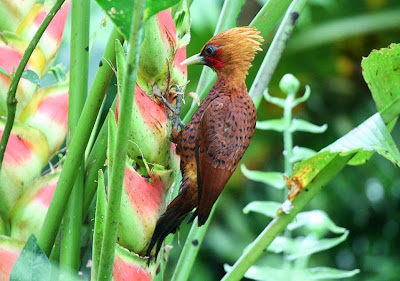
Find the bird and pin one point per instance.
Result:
(213, 142)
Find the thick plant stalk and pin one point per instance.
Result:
(264, 21)
(120, 151)
(78, 144)
(275, 51)
(11, 100)
(70, 244)
(186, 259)
(254, 251)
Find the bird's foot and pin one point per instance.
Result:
(176, 91)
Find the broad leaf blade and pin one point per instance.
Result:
(371, 135)
(381, 71)
(32, 264)
(120, 12)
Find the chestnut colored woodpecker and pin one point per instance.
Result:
(215, 139)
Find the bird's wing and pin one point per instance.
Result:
(216, 150)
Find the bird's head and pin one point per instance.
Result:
(229, 52)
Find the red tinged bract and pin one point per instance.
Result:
(215, 139)
(10, 250)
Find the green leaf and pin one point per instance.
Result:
(371, 135)
(112, 138)
(267, 273)
(299, 125)
(381, 71)
(273, 125)
(101, 206)
(274, 179)
(4, 72)
(31, 76)
(304, 246)
(268, 208)
(321, 273)
(32, 264)
(317, 221)
(363, 156)
(299, 153)
(120, 12)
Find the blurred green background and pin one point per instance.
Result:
(325, 52)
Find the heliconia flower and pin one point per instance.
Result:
(29, 211)
(26, 154)
(51, 39)
(157, 54)
(9, 252)
(150, 129)
(11, 51)
(129, 266)
(13, 12)
(141, 204)
(48, 112)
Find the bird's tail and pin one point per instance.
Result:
(169, 222)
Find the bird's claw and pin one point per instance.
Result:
(175, 110)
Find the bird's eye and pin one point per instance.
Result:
(210, 50)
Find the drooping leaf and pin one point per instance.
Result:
(381, 71)
(322, 273)
(274, 179)
(268, 208)
(273, 125)
(267, 273)
(304, 246)
(31, 76)
(120, 12)
(317, 221)
(299, 153)
(299, 125)
(32, 264)
(371, 135)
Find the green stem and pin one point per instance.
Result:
(190, 250)
(79, 62)
(275, 50)
(77, 148)
(11, 100)
(265, 20)
(120, 151)
(254, 251)
(287, 133)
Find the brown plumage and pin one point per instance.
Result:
(215, 139)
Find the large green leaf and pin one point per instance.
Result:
(120, 12)
(371, 135)
(32, 264)
(381, 71)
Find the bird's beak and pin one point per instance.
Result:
(196, 59)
